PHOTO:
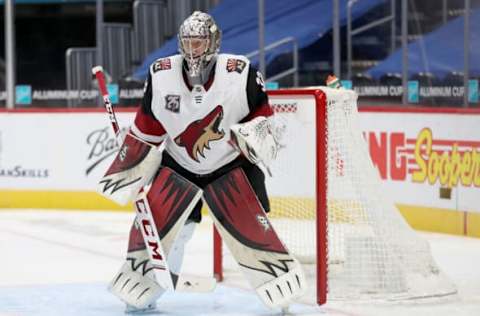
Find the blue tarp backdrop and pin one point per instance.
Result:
(440, 52)
(305, 20)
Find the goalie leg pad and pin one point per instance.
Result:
(172, 199)
(175, 257)
(161, 214)
(135, 283)
(280, 291)
(252, 240)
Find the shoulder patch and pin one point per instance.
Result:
(162, 64)
(235, 65)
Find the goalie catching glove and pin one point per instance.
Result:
(255, 139)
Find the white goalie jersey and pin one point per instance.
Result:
(195, 122)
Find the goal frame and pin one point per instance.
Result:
(321, 125)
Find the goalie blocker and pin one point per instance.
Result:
(271, 270)
(133, 167)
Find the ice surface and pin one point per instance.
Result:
(59, 263)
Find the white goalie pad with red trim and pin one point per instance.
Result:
(272, 271)
(134, 166)
(162, 211)
(161, 214)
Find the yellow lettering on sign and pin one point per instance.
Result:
(447, 167)
(424, 137)
(476, 160)
(466, 175)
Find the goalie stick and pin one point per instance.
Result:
(144, 216)
(102, 86)
(146, 221)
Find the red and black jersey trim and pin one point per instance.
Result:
(256, 97)
(146, 106)
(145, 121)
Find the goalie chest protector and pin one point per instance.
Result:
(198, 122)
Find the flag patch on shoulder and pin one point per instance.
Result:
(162, 64)
(235, 65)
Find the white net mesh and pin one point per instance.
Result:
(372, 252)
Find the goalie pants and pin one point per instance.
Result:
(254, 175)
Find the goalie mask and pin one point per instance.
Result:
(199, 43)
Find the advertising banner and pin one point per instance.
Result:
(57, 151)
(428, 160)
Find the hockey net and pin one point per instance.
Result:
(328, 206)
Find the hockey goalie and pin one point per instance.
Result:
(210, 115)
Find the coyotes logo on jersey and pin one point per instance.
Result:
(198, 135)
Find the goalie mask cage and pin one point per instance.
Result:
(328, 207)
